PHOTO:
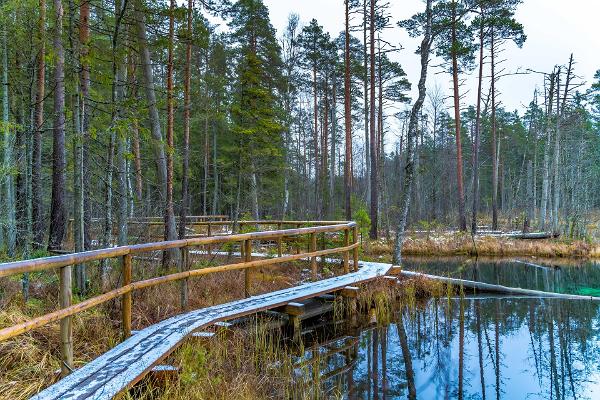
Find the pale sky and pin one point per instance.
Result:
(554, 29)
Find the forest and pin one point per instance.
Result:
(114, 110)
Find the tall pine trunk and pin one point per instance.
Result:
(186, 126)
(478, 128)
(347, 119)
(494, 151)
(155, 129)
(58, 214)
(9, 142)
(462, 219)
(374, 211)
(37, 207)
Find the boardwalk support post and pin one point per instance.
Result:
(247, 271)
(66, 326)
(126, 298)
(355, 251)
(313, 259)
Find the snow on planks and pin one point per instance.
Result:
(124, 365)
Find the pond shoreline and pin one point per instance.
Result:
(464, 245)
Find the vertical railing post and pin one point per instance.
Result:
(298, 242)
(184, 266)
(126, 298)
(355, 250)
(66, 327)
(279, 239)
(313, 259)
(209, 234)
(346, 252)
(247, 271)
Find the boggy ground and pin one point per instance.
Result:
(29, 362)
(255, 362)
(439, 243)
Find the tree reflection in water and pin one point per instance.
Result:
(515, 348)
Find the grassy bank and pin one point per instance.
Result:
(460, 244)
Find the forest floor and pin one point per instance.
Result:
(440, 243)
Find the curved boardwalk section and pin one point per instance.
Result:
(124, 365)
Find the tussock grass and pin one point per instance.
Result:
(460, 244)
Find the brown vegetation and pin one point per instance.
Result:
(459, 244)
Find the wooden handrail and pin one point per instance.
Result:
(64, 262)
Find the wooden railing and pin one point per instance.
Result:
(125, 253)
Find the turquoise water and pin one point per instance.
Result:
(574, 278)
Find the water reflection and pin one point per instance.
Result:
(475, 348)
(581, 278)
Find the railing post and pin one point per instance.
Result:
(347, 252)
(298, 243)
(126, 298)
(66, 327)
(313, 259)
(247, 272)
(184, 266)
(355, 250)
(279, 239)
(209, 234)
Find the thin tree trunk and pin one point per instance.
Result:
(546, 166)
(155, 129)
(372, 137)
(37, 212)
(169, 213)
(58, 212)
(316, 145)
(120, 76)
(494, 146)
(478, 128)
(462, 219)
(366, 104)
(347, 119)
(186, 126)
(409, 168)
(11, 227)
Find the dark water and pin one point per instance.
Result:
(579, 278)
(475, 348)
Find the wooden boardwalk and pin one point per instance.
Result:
(128, 362)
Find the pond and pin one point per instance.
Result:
(575, 277)
(470, 348)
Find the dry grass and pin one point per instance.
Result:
(458, 244)
(29, 362)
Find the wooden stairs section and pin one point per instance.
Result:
(128, 362)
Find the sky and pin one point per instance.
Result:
(554, 29)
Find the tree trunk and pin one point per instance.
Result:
(477, 129)
(120, 76)
(316, 145)
(58, 214)
(546, 166)
(185, 202)
(372, 137)
(37, 206)
(347, 119)
(169, 214)
(409, 168)
(11, 227)
(494, 145)
(155, 129)
(366, 104)
(462, 219)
